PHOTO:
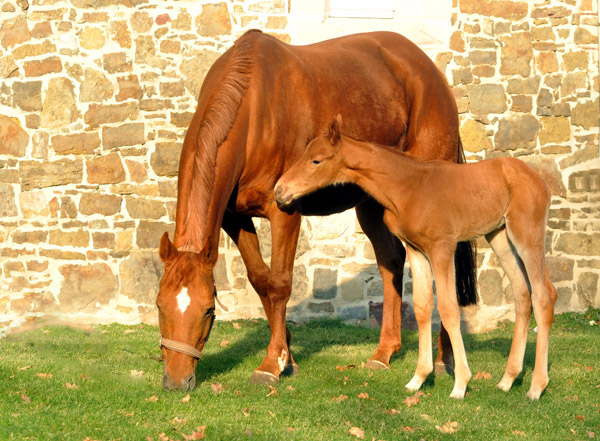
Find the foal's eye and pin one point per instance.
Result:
(316, 161)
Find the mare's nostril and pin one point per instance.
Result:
(278, 192)
(191, 382)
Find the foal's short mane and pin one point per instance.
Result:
(218, 118)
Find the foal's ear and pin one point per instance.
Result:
(334, 130)
(166, 250)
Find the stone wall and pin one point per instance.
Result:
(95, 98)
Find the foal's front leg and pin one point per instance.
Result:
(442, 261)
(423, 306)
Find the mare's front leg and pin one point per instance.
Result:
(285, 230)
(423, 304)
(390, 256)
(241, 230)
(442, 261)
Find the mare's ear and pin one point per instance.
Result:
(334, 130)
(166, 250)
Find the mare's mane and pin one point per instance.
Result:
(218, 119)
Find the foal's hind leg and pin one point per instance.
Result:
(423, 305)
(528, 237)
(511, 264)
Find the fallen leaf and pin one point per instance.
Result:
(291, 429)
(413, 400)
(339, 398)
(178, 420)
(580, 417)
(152, 399)
(448, 427)
(43, 375)
(237, 325)
(343, 368)
(291, 388)
(136, 373)
(196, 434)
(71, 386)
(425, 417)
(246, 412)
(408, 429)
(124, 413)
(484, 375)
(572, 398)
(591, 435)
(217, 388)
(363, 396)
(518, 432)
(273, 392)
(248, 433)
(163, 437)
(224, 343)
(357, 432)
(25, 398)
(24, 368)
(186, 399)
(128, 331)
(393, 411)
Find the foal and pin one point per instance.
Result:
(431, 206)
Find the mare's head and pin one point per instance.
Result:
(186, 308)
(321, 165)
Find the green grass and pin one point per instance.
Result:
(109, 403)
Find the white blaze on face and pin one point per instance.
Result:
(183, 299)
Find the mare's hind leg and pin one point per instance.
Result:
(511, 265)
(390, 256)
(442, 262)
(527, 234)
(242, 232)
(423, 305)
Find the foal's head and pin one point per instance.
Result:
(186, 305)
(321, 165)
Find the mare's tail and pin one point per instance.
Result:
(465, 261)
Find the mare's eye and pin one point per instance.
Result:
(316, 161)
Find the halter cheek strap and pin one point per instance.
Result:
(180, 347)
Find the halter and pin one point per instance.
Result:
(184, 348)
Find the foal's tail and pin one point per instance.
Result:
(465, 261)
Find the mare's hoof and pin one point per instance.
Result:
(377, 365)
(291, 370)
(262, 377)
(443, 368)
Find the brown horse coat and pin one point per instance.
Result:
(260, 104)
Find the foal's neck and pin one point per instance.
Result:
(381, 171)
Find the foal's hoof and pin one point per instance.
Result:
(377, 365)
(262, 377)
(291, 370)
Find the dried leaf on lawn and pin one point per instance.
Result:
(178, 420)
(217, 388)
(237, 325)
(128, 331)
(43, 375)
(224, 343)
(71, 386)
(186, 399)
(363, 396)
(25, 398)
(357, 432)
(152, 399)
(393, 411)
(413, 400)
(24, 368)
(343, 368)
(136, 373)
(518, 432)
(484, 375)
(196, 434)
(408, 429)
(448, 427)
(339, 398)
(273, 392)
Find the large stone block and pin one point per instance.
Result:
(516, 54)
(586, 114)
(165, 159)
(516, 133)
(95, 87)
(123, 135)
(579, 244)
(473, 136)
(140, 208)
(71, 238)
(95, 203)
(84, 286)
(487, 98)
(59, 107)
(33, 203)
(214, 20)
(194, 70)
(585, 181)
(324, 283)
(49, 174)
(148, 233)
(140, 275)
(112, 113)
(588, 289)
(105, 170)
(554, 130)
(28, 95)
(13, 139)
(83, 143)
(14, 32)
(129, 88)
(8, 207)
(513, 10)
(490, 288)
(37, 68)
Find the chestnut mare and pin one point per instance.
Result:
(259, 106)
(431, 206)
